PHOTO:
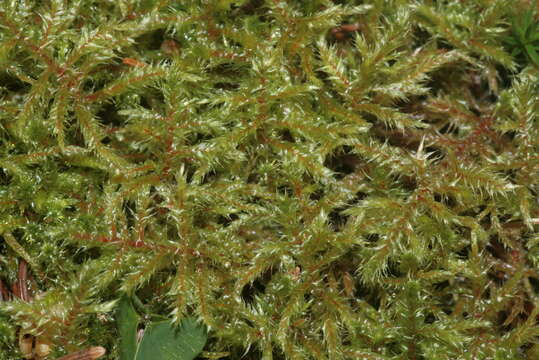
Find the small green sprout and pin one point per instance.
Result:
(524, 39)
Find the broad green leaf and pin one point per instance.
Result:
(128, 320)
(164, 341)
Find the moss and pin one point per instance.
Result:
(311, 179)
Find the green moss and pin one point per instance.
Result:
(310, 179)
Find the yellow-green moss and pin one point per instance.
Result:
(311, 179)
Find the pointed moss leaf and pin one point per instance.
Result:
(534, 56)
(128, 320)
(527, 20)
(163, 341)
(226, 4)
(516, 51)
(510, 41)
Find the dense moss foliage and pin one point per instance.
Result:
(315, 179)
